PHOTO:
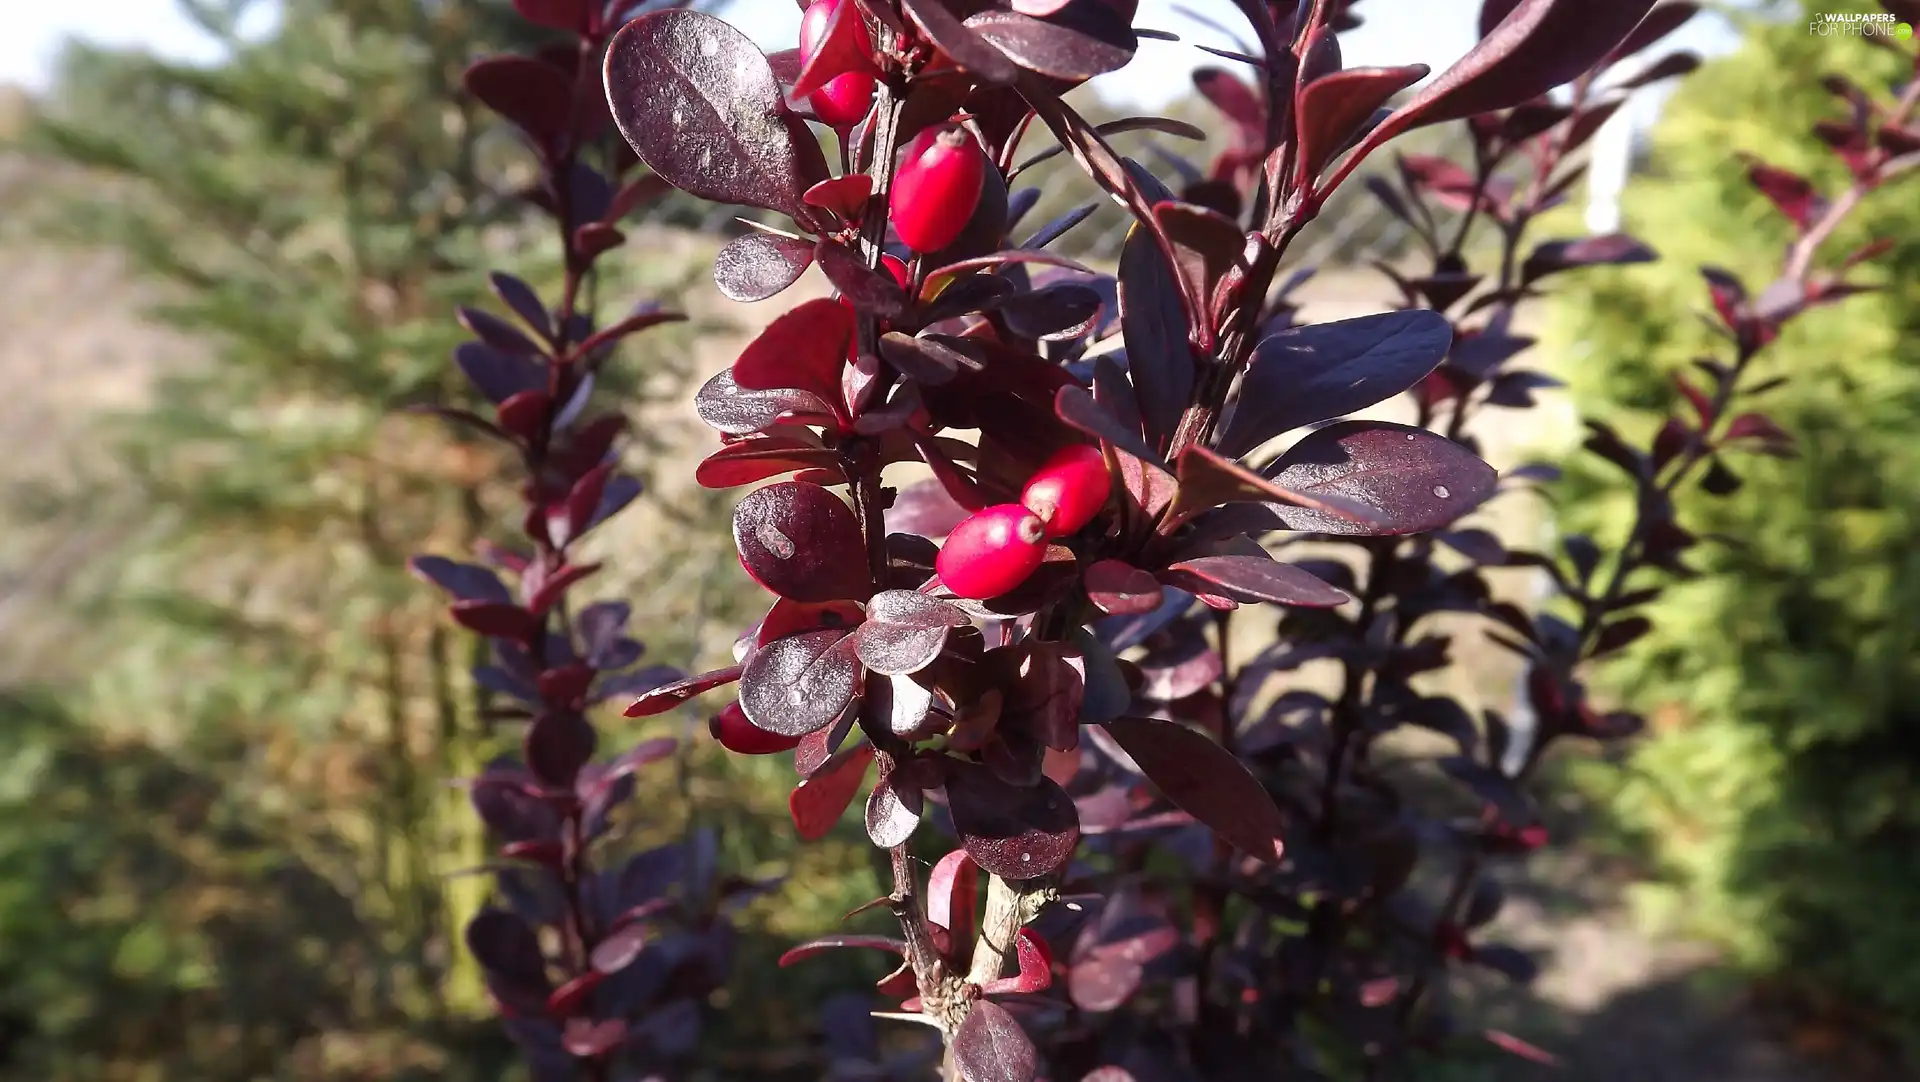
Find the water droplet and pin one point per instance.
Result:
(776, 542)
(680, 118)
(1026, 857)
(709, 47)
(1410, 437)
(1441, 491)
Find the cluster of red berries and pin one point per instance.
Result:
(942, 170)
(997, 548)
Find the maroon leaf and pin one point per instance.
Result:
(1537, 45)
(1204, 780)
(758, 265)
(1613, 249)
(665, 698)
(950, 891)
(496, 620)
(868, 289)
(1153, 321)
(570, 15)
(1333, 108)
(533, 94)
(760, 457)
(1236, 99)
(892, 813)
(1309, 374)
(1792, 193)
(1118, 588)
(845, 196)
(1012, 832)
(925, 508)
(1411, 479)
(990, 1046)
(497, 375)
(558, 744)
(1076, 407)
(618, 950)
(466, 582)
(727, 407)
(1254, 579)
(700, 106)
(508, 950)
(1208, 479)
(804, 348)
(1664, 19)
(1507, 1042)
(1085, 39)
(968, 49)
(800, 684)
(841, 942)
(818, 802)
(794, 539)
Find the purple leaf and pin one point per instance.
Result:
(1309, 374)
(1254, 579)
(1412, 480)
(618, 950)
(533, 94)
(497, 332)
(867, 289)
(1207, 479)
(1076, 407)
(990, 1046)
(1664, 19)
(519, 296)
(558, 744)
(892, 813)
(466, 582)
(700, 106)
(924, 508)
(839, 942)
(1334, 107)
(509, 951)
(1536, 46)
(1613, 249)
(759, 265)
(1153, 321)
(662, 699)
(795, 538)
(1085, 39)
(1118, 588)
(800, 684)
(969, 50)
(1204, 780)
(497, 375)
(1012, 832)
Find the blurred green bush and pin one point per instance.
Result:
(1778, 793)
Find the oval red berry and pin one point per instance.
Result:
(846, 98)
(936, 188)
(1069, 489)
(992, 551)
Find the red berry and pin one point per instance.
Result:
(742, 737)
(846, 98)
(1069, 489)
(936, 188)
(992, 551)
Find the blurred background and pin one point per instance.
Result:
(232, 236)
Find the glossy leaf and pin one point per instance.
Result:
(1308, 374)
(968, 49)
(1153, 321)
(799, 684)
(1254, 579)
(892, 813)
(732, 409)
(990, 1046)
(1118, 588)
(805, 348)
(1334, 107)
(1204, 780)
(1012, 832)
(700, 106)
(756, 265)
(794, 538)
(1412, 480)
(665, 698)
(1208, 479)
(1078, 408)
(1083, 40)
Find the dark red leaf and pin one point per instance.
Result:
(700, 106)
(1240, 102)
(818, 802)
(1076, 407)
(800, 684)
(969, 50)
(794, 539)
(665, 698)
(570, 15)
(1507, 1042)
(869, 290)
(1411, 479)
(759, 457)
(1309, 374)
(1792, 193)
(558, 744)
(990, 1046)
(838, 942)
(496, 620)
(1612, 249)
(498, 375)
(757, 265)
(618, 950)
(727, 407)
(1204, 780)
(1664, 19)
(466, 582)
(892, 813)
(1118, 588)
(1085, 39)
(950, 898)
(1334, 108)
(508, 950)
(588, 1039)
(533, 94)
(1012, 832)
(804, 348)
(1208, 479)
(1254, 579)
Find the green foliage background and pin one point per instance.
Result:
(1777, 795)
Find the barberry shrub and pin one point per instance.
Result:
(1160, 860)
